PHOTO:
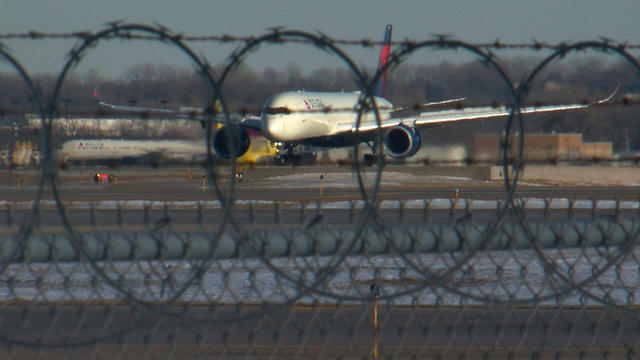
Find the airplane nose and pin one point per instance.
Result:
(272, 127)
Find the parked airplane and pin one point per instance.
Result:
(152, 151)
(329, 120)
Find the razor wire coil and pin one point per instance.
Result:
(232, 280)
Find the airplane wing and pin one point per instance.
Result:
(146, 111)
(249, 121)
(429, 104)
(473, 113)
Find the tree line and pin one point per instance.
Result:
(246, 89)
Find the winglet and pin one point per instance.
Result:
(608, 97)
(96, 94)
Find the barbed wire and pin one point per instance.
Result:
(229, 273)
(229, 38)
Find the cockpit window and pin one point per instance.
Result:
(278, 110)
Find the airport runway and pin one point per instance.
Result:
(282, 183)
(286, 196)
(268, 216)
(321, 331)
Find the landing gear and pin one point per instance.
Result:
(372, 159)
(287, 159)
(286, 156)
(295, 159)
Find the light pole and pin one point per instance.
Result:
(14, 125)
(375, 293)
(132, 102)
(66, 102)
(164, 103)
(67, 128)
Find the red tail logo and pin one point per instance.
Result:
(382, 62)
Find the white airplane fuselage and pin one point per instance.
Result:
(108, 149)
(296, 116)
(171, 150)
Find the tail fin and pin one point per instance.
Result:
(384, 58)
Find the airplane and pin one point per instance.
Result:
(128, 151)
(124, 152)
(328, 120)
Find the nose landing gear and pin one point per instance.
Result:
(286, 155)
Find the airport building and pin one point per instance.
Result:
(543, 147)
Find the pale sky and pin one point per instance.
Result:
(469, 20)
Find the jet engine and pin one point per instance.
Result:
(231, 141)
(402, 141)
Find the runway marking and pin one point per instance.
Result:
(436, 203)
